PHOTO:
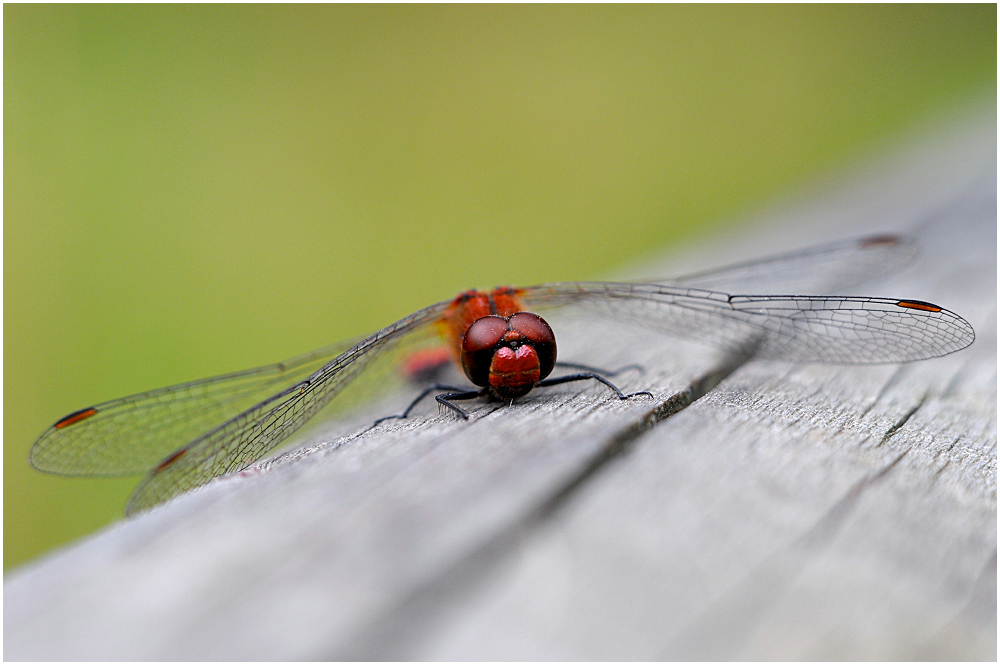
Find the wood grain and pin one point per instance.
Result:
(788, 512)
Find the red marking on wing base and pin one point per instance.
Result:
(170, 460)
(426, 362)
(872, 241)
(76, 417)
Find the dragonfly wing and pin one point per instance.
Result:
(248, 436)
(131, 434)
(848, 330)
(820, 269)
(853, 330)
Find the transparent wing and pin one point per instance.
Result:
(825, 329)
(248, 436)
(131, 434)
(821, 269)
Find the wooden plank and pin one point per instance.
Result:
(767, 520)
(792, 513)
(802, 513)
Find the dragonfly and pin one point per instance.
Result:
(183, 436)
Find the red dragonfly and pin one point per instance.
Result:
(182, 436)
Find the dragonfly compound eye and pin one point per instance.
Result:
(480, 341)
(539, 335)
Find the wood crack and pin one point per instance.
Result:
(902, 421)
(893, 380)
(828, 525)
(978, 611)
(726, 626)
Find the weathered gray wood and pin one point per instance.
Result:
(791, 512)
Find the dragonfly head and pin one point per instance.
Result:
(509, 355)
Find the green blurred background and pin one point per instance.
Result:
(191, 190)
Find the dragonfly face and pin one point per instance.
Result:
(499, 345)
(508, 354)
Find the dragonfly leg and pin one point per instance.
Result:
(583, 376)
(597, 370)
(424, 393)
(470, 394)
